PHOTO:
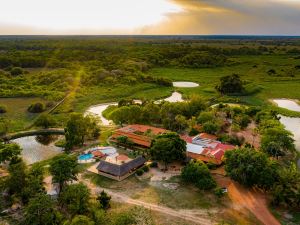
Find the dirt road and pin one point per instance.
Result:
(196, 216)
(253, 200)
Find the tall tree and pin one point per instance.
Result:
(104, 200)
(41, 211)
(79, 127)
(286, 190)
(75, 197)
(64, 168)
(167, 148)
(17, 177)
(75, 131)
(230, 84)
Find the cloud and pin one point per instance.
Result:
(262, 17)
(268, 17)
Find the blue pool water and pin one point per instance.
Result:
(85, 157)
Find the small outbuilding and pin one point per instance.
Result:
(120, 171)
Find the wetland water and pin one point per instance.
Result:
(38, 148)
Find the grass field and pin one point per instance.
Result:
(253, 70)
(17, 112)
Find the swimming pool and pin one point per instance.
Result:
(85, 156)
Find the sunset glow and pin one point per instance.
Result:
(150, 17)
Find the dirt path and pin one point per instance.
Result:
(195, 216)
(253, 200)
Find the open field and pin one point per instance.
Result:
(185, 197)
(17, 112)
(253, 69)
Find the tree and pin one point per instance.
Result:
(273, 149)
(4, 126)
(79, 127)
(286, 191)
(34, 183)
(45, 121)
(251, 168)
(81, 220)
(230, 84)
(284, 143)
(168, 148)
(104, 200)
(17, 177)
(37, 107)
(9, 152)
(63, 168)
(205, 117)
(211, 127)
(197, 172)
(75, 197)
(75, 131)
(41, 211)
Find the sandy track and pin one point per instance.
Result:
(188, 215)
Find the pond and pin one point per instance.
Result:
(293, 125)
(287, 104)
(185, 84)
(175, 97)
(98, 110)
(38, 148)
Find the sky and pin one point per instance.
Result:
(173, 17)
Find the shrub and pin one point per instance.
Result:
(211, 166)
(3, 109)
(219, 192)
(145, 169)
(154, 165)
(139, 172)
(37, 107)
(15, 71)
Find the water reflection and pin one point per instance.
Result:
(46, 139)
(38, 148)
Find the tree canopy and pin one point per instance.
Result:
(167, 148)
(41, 211)
(75, 198)
(9, 152)
(80, 127)
(230, 85)
(251, 168)
(197, 172)
(63, 168)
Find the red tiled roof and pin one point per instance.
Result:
(208, 136)
(225, 147)
(187, 138)
(97, 154)
(142, 128)
(122, 157)
(140, 139)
